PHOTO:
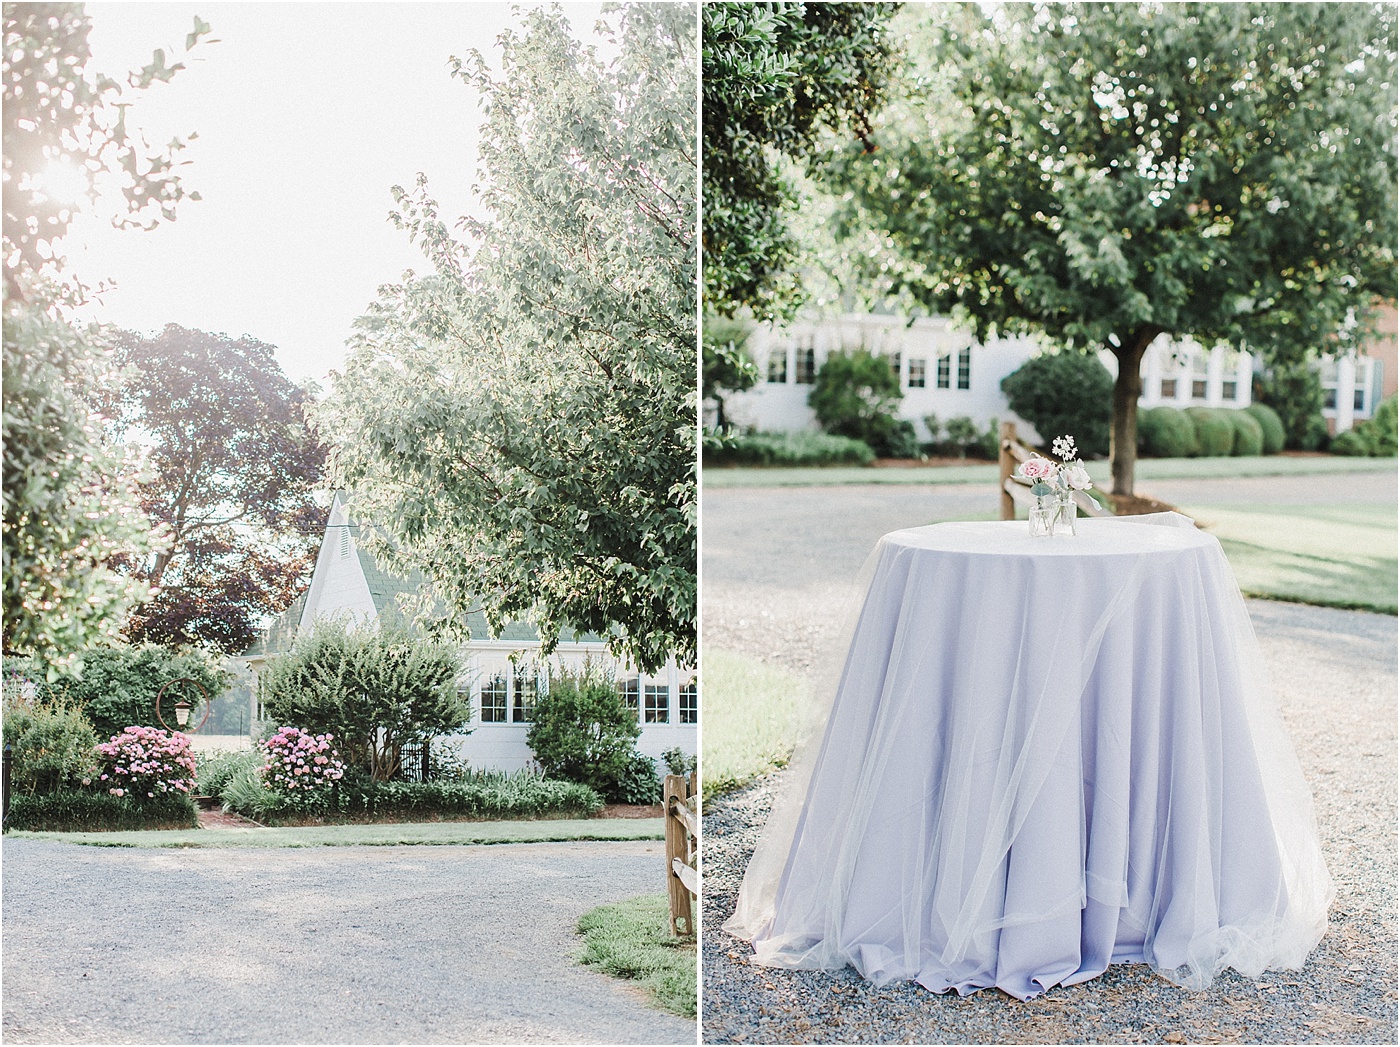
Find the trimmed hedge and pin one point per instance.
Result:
(1215, 433)
(1249, 434)
(485, 795)
(80, 811)
(1270, 424)
(1349, 444)
(1165, 432)
(801, 448)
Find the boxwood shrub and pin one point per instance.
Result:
(1215, 432)
(1165, 432)
(1249, 434)
(73, 810)
(1270, 424)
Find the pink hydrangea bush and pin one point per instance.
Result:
(299, 763)
(144, 762)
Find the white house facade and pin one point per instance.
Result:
(944, 371)
(501, 677)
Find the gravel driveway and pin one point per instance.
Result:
(337, 945)
(777, 569)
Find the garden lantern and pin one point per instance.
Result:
(183, 706)
(182, 712)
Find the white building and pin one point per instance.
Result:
(501, 677)
(943, 371)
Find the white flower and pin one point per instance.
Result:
(1076, 477)
(1064, 449)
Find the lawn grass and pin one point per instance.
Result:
(1147, 469)
(633, 940)
(751, 716)
(1328, 555)
(380, 835)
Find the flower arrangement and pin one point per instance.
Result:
(1056, 480)
(298, 762)
(146, 762)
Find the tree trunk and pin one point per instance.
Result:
(1126, 390)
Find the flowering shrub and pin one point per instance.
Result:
(298, 762)
(146, 762)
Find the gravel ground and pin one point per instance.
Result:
(777, 570)
(341, 945)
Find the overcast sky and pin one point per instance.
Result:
(306, 115)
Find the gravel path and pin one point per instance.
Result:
(777, 569)
(341, 945)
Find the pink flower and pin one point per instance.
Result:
(1037, 469)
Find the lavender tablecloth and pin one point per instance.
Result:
(1043, 756)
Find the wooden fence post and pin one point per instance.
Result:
(1008, 466)
(682, 829)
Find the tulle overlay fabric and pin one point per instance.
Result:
(1043, 757)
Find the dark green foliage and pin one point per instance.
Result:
(638, 783)
(480, 795)
(1294, 391)
(583, 730)
(725, 365)
(774, 76)
(52, 744)
(856, 395)
(119, 685)
(82, 811)
(1064, 393)
(375, 690)
(678, 761)
(1350, 444)
(1270, 425)
(1249, 434)
(800, 448)
(1384, 423)
(1165, 432)
(1215, 432)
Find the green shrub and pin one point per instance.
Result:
(787, 449)
(1215, 432)
(1351, 444)
(1270, 425)
(74, 810)
(118, 685)
(678, 761)
(1165, 432)
(1064, 393)
(1249, 434)
(638, 784)
(375, 690)
(214, 772)
(583, 730)
(52, 745)
(1294, 391)
(857, 395)
(479, 795)
(1377, 433)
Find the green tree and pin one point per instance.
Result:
(583, 731)
(726, 366)
(1064, 394)
(775, 77)
(232, 464)
(521, 423)
(856, 395)
(376, 690)
(1105, 174)
(69, 499)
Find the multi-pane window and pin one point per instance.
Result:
(523, 708)
(918, 372)
(1358, 399)
(896, 359)
(1329, 398)
(944, 371)
(777, 365)
(965, 368)
(1200, 364)
(631, 692)
(806, 365)
(658, 703)
(1228, 388)
(688, 703)
(1168, 389)
(493, 700)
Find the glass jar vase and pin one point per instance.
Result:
(1067, 510)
